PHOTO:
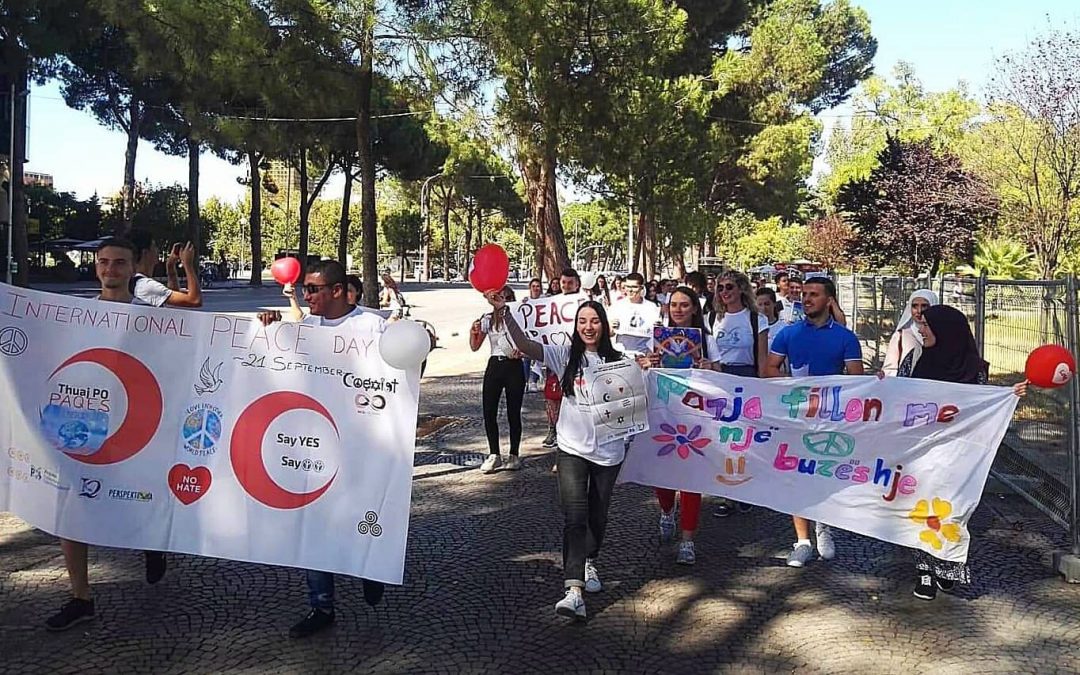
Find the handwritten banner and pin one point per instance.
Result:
(207, 434)
(614, 393)
(901, 460)
(549, 320)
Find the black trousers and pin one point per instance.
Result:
(585, 493)
(503, 374)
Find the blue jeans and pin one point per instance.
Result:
(320, 586)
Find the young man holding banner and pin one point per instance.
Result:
(115, 266)
(326, 294)
(816, 345)
(633, 318)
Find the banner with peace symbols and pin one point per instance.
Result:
(899, 459)
(203, 433)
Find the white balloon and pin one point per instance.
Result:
(404, 344)
(588, 280)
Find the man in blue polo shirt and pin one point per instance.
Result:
(817, 345)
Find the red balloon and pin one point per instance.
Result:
(490, 268)
(286, 270)
(1050, 366)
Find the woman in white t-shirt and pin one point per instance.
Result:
(504, 371)
(587, 469)
(684, 309)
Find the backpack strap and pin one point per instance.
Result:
(754, 330)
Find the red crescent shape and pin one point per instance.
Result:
(245, 449)
(140, 385)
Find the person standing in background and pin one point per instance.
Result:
(504, 372)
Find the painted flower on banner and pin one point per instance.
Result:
(933, 518)
(678, 439)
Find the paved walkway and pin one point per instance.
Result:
(483, 572)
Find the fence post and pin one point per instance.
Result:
(854, 301)
(980, 313)
(1067, 563)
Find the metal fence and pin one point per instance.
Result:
(1040, 455)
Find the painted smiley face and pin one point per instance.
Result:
(734, 472)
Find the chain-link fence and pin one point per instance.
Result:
(1040, 454)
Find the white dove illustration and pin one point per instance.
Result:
(209, 381)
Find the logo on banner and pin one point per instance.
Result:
(13, 341)
(245, 449)
(130, 495)
(90, 488)
(374, 393)
(201, 430)
(370, 525)
(366, 404)
(76, 419)
(209, 379)
(189, 484)
(306, 464)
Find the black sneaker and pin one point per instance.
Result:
(925, 588)
(551, 441)
(155, 566)
(373, 591)
(945, 586)
(723, 510)
(76, 611)
(315, 621)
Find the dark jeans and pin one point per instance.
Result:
(585, 493)
(503, 374)
(320, 586)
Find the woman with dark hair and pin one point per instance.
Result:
(587, 469)
(504, 371)
(553, 287)
(949, 354)
(684, 308)
(651, 290)
(354, 288)
(601, 291)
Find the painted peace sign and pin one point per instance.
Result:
(13, 341)
(829, 443)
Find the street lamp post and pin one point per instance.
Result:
(11, 189)
(425, 193)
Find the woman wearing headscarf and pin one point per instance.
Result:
(906, 342)
(948, 353)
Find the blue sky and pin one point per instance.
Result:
(946, 41)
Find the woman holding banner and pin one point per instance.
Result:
(948, 354)
(504, 372)
(684, 309)
(587, 469)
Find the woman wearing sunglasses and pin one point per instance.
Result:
(742, 340)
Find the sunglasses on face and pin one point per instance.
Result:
(727, 287)
(312, 289)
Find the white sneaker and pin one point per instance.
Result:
(686, 555)
(512, 463)
(491, 463)
(592, 579)
(826, 547)
(573, 605)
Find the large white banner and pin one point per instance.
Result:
(902, 460)
(549, 319)
(205, 433)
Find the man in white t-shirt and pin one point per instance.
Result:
(115, 266)
(326, 294)
(147, 290)
(633, 318)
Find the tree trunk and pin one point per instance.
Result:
(368, 226)
(343, 224)
(542, 193)
(647, 239)
(128, 191)
(447, 201)
(255, 219)
(20, 245)
(469, 247)
(305, 208)
(194, 224)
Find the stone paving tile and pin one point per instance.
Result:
(483, 571)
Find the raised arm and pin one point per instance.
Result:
(476, 335)
(530, 348)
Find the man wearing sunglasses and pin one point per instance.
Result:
(327, 296)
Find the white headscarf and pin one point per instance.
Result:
(905, 318)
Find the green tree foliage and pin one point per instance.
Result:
(917, 209)
(901, 108)
(764, 242)
(62, 214)
(1000, 258)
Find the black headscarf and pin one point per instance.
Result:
(954, 356)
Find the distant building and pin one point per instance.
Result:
(39, 179)
(285, 179)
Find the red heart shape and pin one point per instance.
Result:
(189, 484)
